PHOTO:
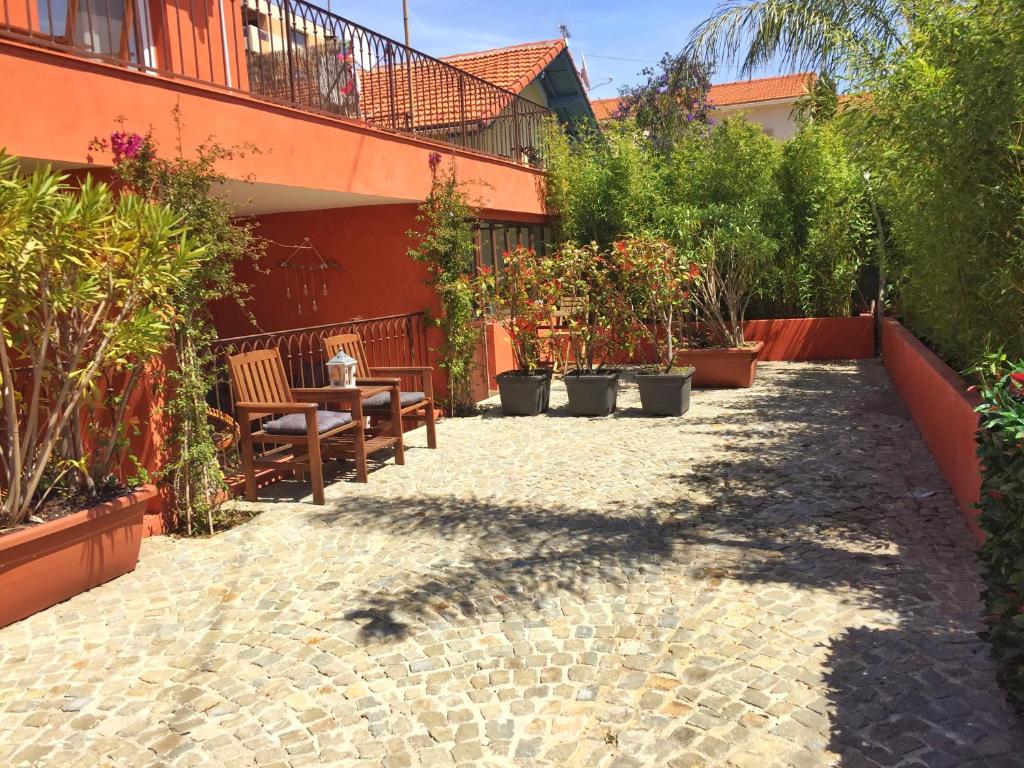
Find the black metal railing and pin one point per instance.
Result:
(293, 52)
(393, 340)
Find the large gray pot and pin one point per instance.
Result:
(524, 394)
(665, 394)
(592, 394)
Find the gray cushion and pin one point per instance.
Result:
(383, 399)
(295, 423)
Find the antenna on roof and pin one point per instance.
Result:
(564, 31)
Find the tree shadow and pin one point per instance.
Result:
(824, 486)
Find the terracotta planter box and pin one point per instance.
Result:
(722, 368)
(46, 564)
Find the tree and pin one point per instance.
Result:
(673, 97)
(603, 185)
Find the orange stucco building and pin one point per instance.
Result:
(343, 121)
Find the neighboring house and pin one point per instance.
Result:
(768, 101)
(542, 72)
(347, 124)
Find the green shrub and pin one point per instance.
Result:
(1001, 450)
(942, 134)
(447, 246)
(88, 281)
(829, 222)
(602, 186)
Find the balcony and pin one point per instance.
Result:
(292, 53)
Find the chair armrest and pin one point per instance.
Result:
(425, 372)
(379, 382)
(245, 407)
(405, 370)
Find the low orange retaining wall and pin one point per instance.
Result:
(813, 338)
(788, 339)
(943, 410)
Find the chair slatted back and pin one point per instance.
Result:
(259, 376)
(352, 344)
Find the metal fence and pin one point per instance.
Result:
(394, 340)
(293, 52)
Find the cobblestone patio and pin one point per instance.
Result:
(780, 578)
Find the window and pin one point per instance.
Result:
(297, 38)
(498, 237)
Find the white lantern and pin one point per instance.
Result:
(341, 369)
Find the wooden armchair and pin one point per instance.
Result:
(414, 405)
(261, 389)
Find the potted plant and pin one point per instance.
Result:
(519, 299)
(592, 306)
(87, 281)
(657, 281)
(727, 262)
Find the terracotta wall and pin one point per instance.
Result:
(794, 339)
(814, 338)
(942, 409)
(74, 100)
(375, 278)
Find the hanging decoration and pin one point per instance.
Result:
(310, 279)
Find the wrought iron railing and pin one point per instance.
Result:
(293, 52)
(394, 340)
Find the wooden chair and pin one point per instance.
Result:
(261, 389)
(419, 405)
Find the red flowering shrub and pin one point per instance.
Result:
(588, 289)
(521, 300)
(657, 282)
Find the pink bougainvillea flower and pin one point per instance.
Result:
(125, 145)
(694, 270)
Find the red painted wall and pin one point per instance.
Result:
(943, 411)
(813, 338)
(375, 278)
(74, 100)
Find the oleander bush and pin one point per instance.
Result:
(88, 281)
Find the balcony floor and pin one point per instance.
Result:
(780, 578)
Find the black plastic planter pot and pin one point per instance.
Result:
(524, 394)
(665, 394)
(592, 394)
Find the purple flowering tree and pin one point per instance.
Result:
(673, 97)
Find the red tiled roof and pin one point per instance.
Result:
(762, 89)
(384, 97)
(604, 108)
(513, 67)
(732, 94)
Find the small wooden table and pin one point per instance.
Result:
(344, 445)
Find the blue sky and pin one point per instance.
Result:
(641, 30)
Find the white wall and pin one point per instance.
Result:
(774, 117)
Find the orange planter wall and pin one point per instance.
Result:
(813, 338)
(943, 411)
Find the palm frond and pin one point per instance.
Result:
(798, 35)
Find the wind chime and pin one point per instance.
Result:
(303, 282)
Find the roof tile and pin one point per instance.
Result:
(732, 94)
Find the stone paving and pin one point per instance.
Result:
(779, 578)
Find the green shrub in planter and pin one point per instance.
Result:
(1001, 450)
